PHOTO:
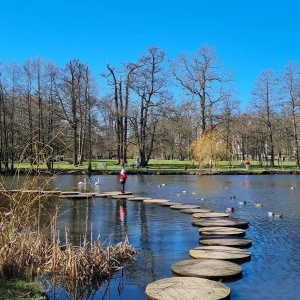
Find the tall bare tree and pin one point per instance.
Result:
(201, 76)
(150, 87)
(290, 82)
(71, 90)
(264, 105)
(121, 91)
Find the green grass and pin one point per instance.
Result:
(165, 165)
(21, 290)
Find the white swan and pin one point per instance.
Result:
(82, 183)
(97, 182)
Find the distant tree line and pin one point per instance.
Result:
(186, 108)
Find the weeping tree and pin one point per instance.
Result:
(210, 147)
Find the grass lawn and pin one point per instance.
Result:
(167, 166)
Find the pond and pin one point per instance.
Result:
(163, 236)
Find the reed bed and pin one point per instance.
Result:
(31, 250)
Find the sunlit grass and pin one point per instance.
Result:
(161, 165)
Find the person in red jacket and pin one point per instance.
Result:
(123, 178)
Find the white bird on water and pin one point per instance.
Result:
(97, 182)
(82, 183)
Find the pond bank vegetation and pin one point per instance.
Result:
(31, 246)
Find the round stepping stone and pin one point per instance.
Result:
(223, 222)
(219, 252)
(210, 215)
(155, 201)
(183, 206)
(207, 268)
(224, 241)
(122, 197)
(169, 203)
(139, 199)
(186, 288)
(195, 210)
(221, 231)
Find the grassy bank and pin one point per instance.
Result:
(21, 290)
(156, 166)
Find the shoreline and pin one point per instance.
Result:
(200, 172)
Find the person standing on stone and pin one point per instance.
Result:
(123, 178)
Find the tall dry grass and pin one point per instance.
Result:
(29, 249)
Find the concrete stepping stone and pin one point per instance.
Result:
(138, 199)
(207, 268)
(210, 215)
(183, 206)
(194, 210)
(220, 252)
(225, 241)
(169, 203)
(211, 231)
(223, 222)
(155, 201)
(186, 288)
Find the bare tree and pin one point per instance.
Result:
(71, 90)
(264, 103)
(149, 85)
(201, 76)
(290, 82)
(121, 90)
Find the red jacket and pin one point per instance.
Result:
(123, 176)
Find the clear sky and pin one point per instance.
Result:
(249, 35)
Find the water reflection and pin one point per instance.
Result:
(163, 236)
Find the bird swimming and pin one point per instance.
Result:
(229, 209)
(82, 183)
(244, 202)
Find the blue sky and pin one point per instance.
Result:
(249, 35)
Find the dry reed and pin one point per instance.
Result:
(28, 250)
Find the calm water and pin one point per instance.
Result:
(163, 236)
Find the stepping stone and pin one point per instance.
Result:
(210, 215)
(195, 210)
(186, 288)
(70, 193)
(169, 203)
(223, 222)
(224, 241)
(138, 199)
(123, 196)
(220, 252)
(77, 196)
(102, 195)
(184, 206)
(221, 231)
(207, 268)
(155, 201)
